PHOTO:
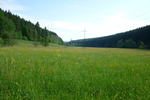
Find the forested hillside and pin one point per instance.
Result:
(12, 27)
(137, 38)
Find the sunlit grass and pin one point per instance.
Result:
(74, 73)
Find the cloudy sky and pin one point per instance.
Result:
(68, 18)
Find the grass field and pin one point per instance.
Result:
(59, 73)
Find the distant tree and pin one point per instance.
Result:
(7, 41)
(6, 38)
(45, 37)
(45, 41)
(13, 42)
(1, 41)
(19, 34)
(38, 29)
(35, 36)
(120, 43)
(26, 33)
(141, 45)
(129, 44)
(13, 27)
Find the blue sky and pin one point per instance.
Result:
(68, 18)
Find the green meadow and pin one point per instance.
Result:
(67, 73)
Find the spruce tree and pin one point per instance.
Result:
(45, 37)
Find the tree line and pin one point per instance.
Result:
(137, 38)
(12, 27)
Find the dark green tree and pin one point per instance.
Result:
(35, 36)
(19, 35)
(129, 44)
(26, 33)
(6, 39)
(1, 41)
(45, 37)
(13, 27)
(45, 41)
(38, 29)
(7, 30)
(141, 45)
(120, 43)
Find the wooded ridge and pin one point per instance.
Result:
(136, 38)
(13, 27)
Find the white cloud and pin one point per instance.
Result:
(116, 23)
(119, 22)
(10, 5)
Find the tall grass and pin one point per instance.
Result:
(59, 73)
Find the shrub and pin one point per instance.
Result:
(24, 38)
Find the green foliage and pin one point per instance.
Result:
(19, 35)
(45, 41)
(7, 38)
(17, 27)
(13, 42)
(120, 43)
(1, 41)
(26, 33)
(74, 74)
(139, 34)
(24, 38)
(35, 36)
(141, 45)
(45, 37)
(129, 44)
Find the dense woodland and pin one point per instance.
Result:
(12, 27)
(137, 38)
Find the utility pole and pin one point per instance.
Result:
(84, 35)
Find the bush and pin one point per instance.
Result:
(1, 40)
(12, 42)
(25, 38)
(141, 45)
(120, 43)
(129, 44)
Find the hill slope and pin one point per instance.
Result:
(14, 27)
(139, 36)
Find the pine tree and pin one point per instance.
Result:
(45, 37)
(37, 26)
(35, 43)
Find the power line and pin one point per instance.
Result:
(135, 16)
(132, 19)
(140, 15)
(84, 35)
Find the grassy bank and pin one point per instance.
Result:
(61, 73)
(23, 43)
